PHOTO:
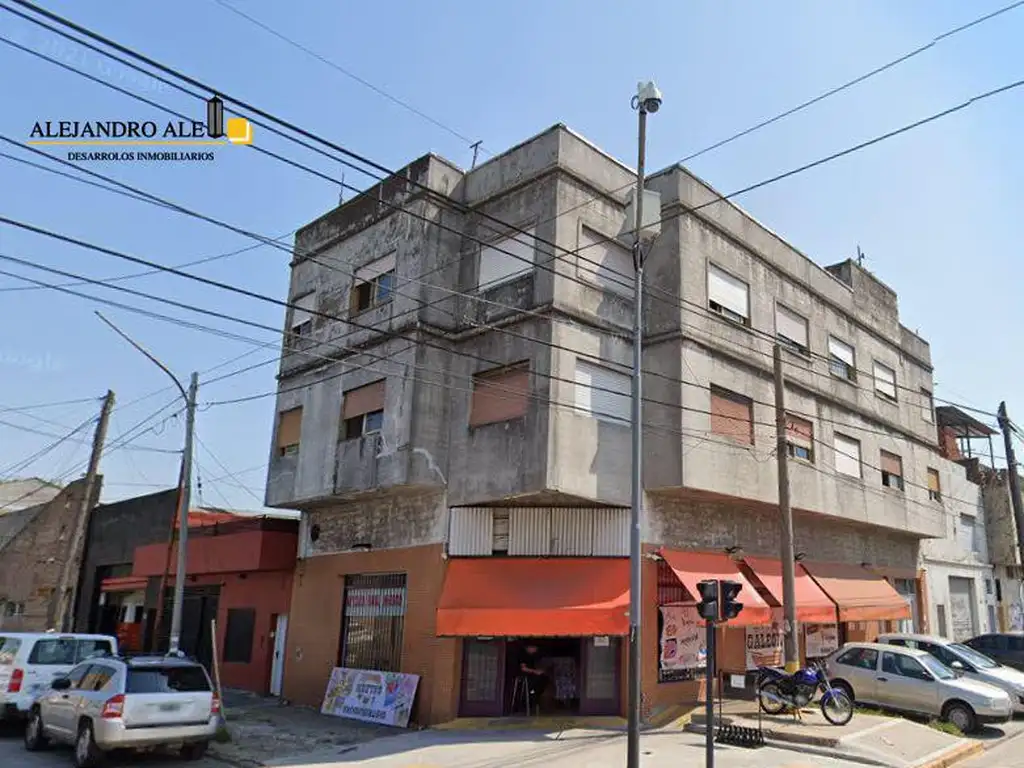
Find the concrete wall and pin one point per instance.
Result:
(115, 530)
(382, 522)
(981, 576)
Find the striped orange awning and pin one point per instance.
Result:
(860, 594)
(123, 584)
(692, 568)
(546, 597)
(812, 605)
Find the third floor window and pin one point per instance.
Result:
(885, 381)
(791, 329)
(362, 411)
(841, 359)
(728, 296)
(732, 415)
(373, 284)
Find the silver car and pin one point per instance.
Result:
(915, 682)
(113, 703)
(966, 661)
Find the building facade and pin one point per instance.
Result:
(453, 422)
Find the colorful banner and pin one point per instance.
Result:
(821, 639)
(374, 697)
(682, 640)
(764, 643)
(375, 601)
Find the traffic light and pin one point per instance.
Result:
(708, 605)
(730, 608)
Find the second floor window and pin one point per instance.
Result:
(728, 296)
(289, 431)
(892, 471)
(362, 411)
(500, 395)
(505, 259)
(799, 438)
(602, 393)
(606, 262)
(841, 361)
(732, 415)
(373, 284)
(847, 455)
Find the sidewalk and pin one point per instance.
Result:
(866, 739)
(263, 730)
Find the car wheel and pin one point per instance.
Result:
(960, 715)
(845, 688)
(35, 738)
(194, 751)
(87, 754)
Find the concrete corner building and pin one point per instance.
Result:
(453, 422)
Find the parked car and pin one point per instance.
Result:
(29, 661)
(1005, 647)
(968, 662)
(114, 703)
(915, 682)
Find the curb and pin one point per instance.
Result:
(965, 749)
(807, 748)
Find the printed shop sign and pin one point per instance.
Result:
(764, 643)
(375, 601)
(821, 639)
(370, 696)
(682, 640)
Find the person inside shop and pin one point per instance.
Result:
(530, 666)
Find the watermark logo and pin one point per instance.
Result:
(115, 134)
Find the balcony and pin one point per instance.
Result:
(356, 464)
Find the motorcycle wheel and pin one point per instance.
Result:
(837, 707)
(769, 698)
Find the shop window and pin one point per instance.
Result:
(362, 411)
(239, 634)
(373, 621)
(373, 285)
(732, 415)
(289, 431)
(799, 438)
(841, 359)
(728, 296)
(500, 395)
(934, 491)
(892, 471)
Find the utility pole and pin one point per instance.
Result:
(1011, 473)
(61, 607)
(184, 499)
(789, 647)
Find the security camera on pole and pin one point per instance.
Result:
(647, 101)
(717, 604)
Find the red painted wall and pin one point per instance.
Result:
(227, 553)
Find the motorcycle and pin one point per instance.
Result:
(777, 691)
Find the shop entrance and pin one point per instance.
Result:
(571, 676)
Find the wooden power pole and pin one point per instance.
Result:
(789, 637)
(62, 606)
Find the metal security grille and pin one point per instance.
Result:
(372, 621)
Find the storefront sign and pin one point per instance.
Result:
(764, 643)
(682, 641)
(821, 639)
(374, 697)
(375, 601)
(602, 641)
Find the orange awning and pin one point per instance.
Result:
(860, 594)
(693, 567)
(123, 584)
(812, 605)
(507, 597)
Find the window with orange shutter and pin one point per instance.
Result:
(892, 470)
(500, 395)
(289, 431)
(362, 410)
(732, 415)
(934, 489)
(799, 438)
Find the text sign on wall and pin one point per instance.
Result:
(375, 601)
(370, 696)
(682, 641)
(821, 639)
(764, 643)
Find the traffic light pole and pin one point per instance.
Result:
(709, 699)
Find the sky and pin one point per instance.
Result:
(936, 211)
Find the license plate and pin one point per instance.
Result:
(170, 707)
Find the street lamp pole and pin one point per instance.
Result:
(184, 496)
(647, 100)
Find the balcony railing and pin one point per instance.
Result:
(356, 468)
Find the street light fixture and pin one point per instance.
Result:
(646, 101)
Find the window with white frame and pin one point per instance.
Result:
(927, 406)
(506, 259)
(373, 284)
(791, 329)
(885, 381)
(728, 296)
(847, 455)
(841, 359)
(605, 262)
(302, 314)
(602, 393)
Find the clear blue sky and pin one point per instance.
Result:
(933, 210)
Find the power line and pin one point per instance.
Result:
(333, 65)
(20, 466)
(40, 406)
(30, 430)
(227, 471)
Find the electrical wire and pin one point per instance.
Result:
(12, 470)
(227, 471)
(40, 406)
(32, 431)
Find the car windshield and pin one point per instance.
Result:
(936, 667)
(970, 655)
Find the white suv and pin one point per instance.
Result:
(142, 702)
(30, 661)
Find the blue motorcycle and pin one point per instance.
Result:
(777, 691)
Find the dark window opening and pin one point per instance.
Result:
(373, 622)
(239, 634)
(366, 424)
(725, 312)
(183, 679)
(374, 292)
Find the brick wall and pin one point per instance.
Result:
(31, 562)
(696, 522)
(384, 523)
(314, 630)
